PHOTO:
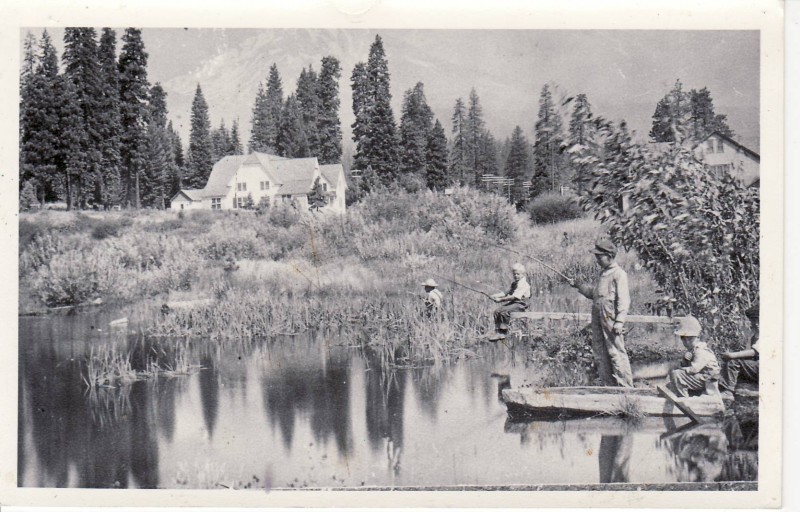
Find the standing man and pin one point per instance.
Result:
(610, 303)
(515, 300)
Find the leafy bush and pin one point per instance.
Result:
(551, 207)
(283, 215)
(698, 233)
(76, 276)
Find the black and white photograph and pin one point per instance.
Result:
(286, 261)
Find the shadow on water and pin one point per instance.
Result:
(306, 411)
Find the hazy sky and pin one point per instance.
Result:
(623, 73)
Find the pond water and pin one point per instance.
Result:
(312, 412)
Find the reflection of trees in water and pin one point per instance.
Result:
(209, 393)
(614, 458)
(741, 464)
(698, 455)
(302, 382)
(385, 395)
(108, 435)
(428, 386)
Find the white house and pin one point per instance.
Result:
(724, 155)
(237, 179)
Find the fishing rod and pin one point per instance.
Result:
(537, 260)
(464, 286)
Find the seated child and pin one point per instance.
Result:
(744, 363)
(699, 365)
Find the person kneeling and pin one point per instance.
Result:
(699, 365)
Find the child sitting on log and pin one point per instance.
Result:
(699, 365)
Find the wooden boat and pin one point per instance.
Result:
(585, 401)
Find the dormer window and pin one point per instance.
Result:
(241, 187)
(720, 146)
(264, 185)
(710, 145)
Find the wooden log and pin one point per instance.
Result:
(588, 401)
(608, 425)
(678, 402)
(585, 317)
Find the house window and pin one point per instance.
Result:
(286, 198)
(240, 202)
(241, 187)
(216, 203)
(710, 145)
(720, 146)
(324, 187)
(264, 185)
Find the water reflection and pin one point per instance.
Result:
(314, 413)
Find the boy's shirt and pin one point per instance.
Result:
(702, 361)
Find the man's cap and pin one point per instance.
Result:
(430, 282)
(687, 326)
(518, 267)
(752, 312)
(605, 247)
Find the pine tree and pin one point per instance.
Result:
(416, 123)
(110, 145)
(582, 139)
(160, 165)
(307, 97)
(704, 121)
(436, 158)
(517, 166)
(274, 105)
(361, 112)
(235, 142)
(200, 159)
(42, 149)
(82, 70)
(175, 180)
(259, 134)
(134, 89)
(220, 142)
(376, 139)
(489, 163)
(330, 130)
(671, 120)
(458, 154)
(548, 146)
(473, 138)
(292, 141)
(27, 110)
(71, 161)
(316, 197)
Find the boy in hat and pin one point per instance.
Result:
(744, 363)
(433, 297)
(515, 300)
(699, 365)
(610, 303)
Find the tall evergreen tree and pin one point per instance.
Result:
(176, 178)
(292, 140)
(489, 163)
(39, 117)
(134, 89)
(160, 166)
(416, 123)
(671, 120)
(220, 142)
(200, 158)
(71, 132)
(517, 166)
(582, 139)
(378, 148)
(436, 158)
(330, 130)
(473, 138)
(235, 140)
(82, 70)
(110, 189)
(359, 85)
(548, 147)
(274, 100)
(704, 120)
(259, 133)
(308, 102)
(458, 154)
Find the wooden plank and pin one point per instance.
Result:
(585, 317)
(677, 402)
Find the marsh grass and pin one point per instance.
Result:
(628, 410)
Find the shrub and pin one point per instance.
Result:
(283, 215)
(551, 207)
(74, 277)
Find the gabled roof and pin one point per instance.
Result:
(295, 175)
(221, 175)
(331, 173)
(192, 194)
(733, 143)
